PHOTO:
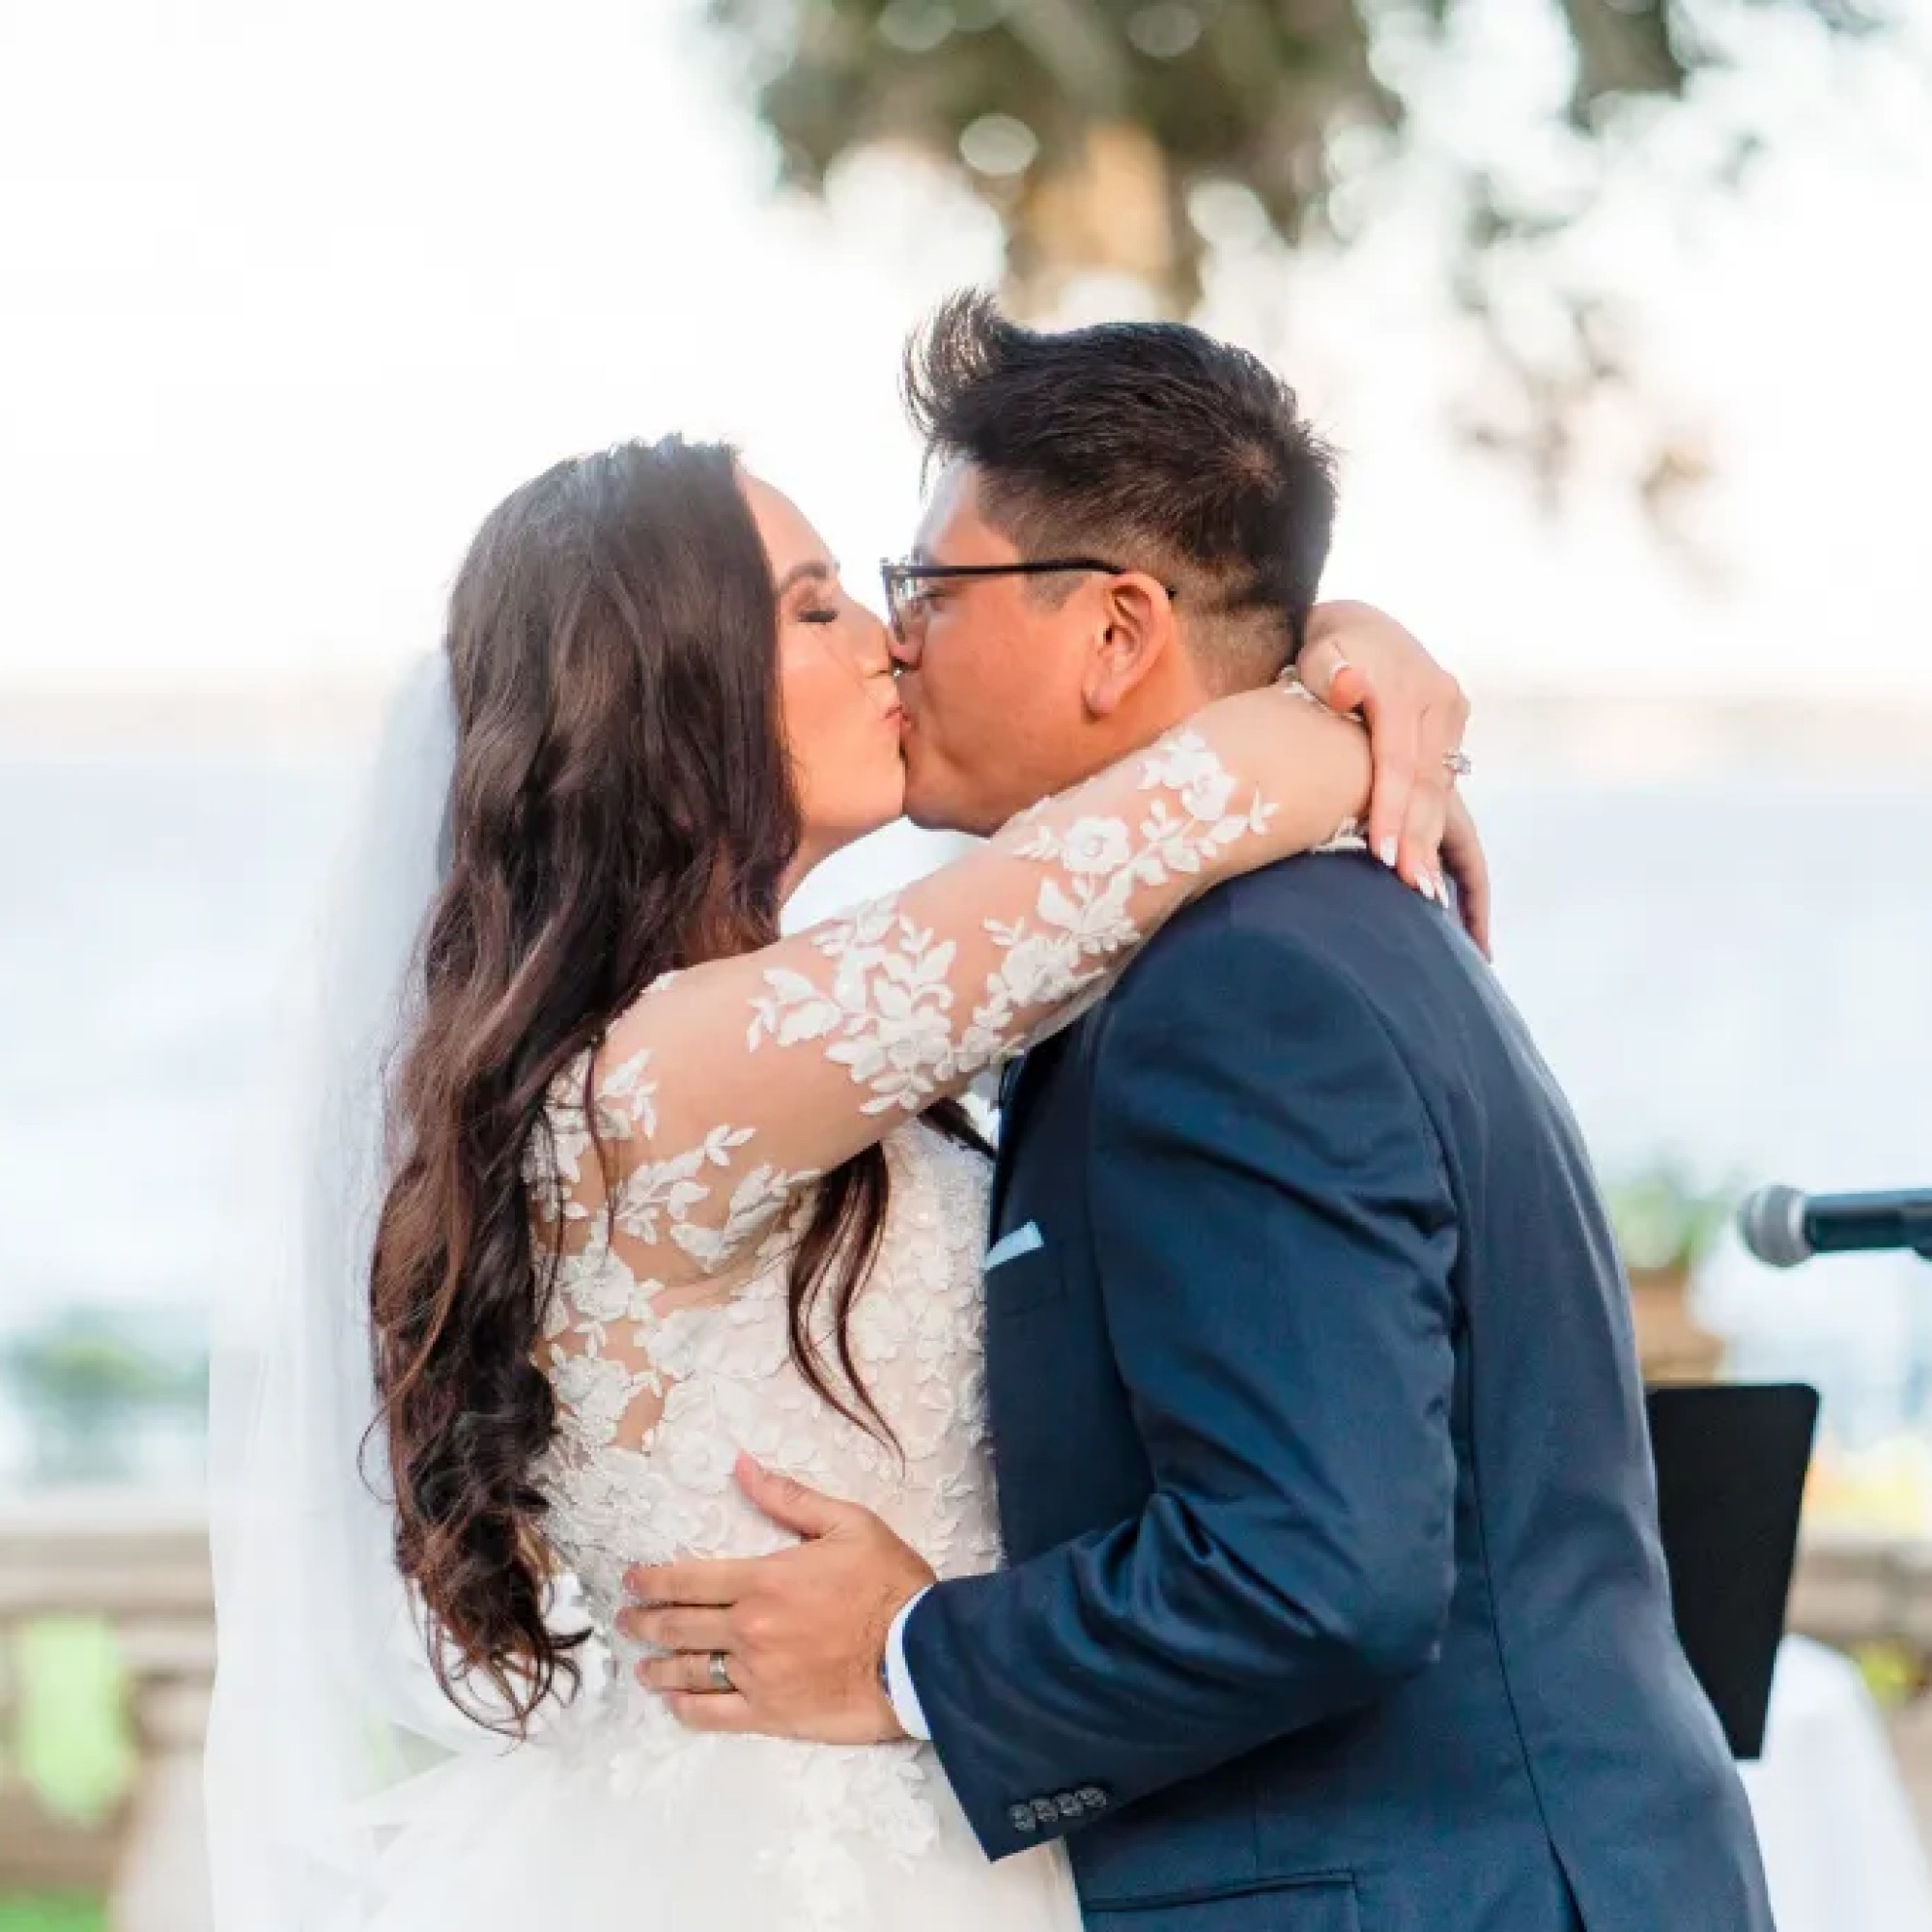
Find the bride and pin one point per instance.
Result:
(658, 1186)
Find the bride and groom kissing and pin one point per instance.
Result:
(1321, 1587)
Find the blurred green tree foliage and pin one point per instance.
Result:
(1094, 129)
(85, 1381)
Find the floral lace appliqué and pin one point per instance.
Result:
(888, 1011)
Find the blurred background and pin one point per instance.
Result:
(1618, 310)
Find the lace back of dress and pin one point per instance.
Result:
(629, 1257)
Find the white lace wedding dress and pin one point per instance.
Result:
(615, 1816)
(714, 1104)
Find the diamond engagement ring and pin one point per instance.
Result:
(721, 1674)
(1460, 763)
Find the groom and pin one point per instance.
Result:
(1335, 1598)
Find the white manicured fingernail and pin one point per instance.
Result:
(1387, 852)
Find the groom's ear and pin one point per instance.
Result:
(1134, 638)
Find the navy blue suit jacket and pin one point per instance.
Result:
(1335, 1600)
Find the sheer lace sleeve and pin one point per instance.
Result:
(729, 1088)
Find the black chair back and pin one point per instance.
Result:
(1731, 1464)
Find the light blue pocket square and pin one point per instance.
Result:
(1025, 1241)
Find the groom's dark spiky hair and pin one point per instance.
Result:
(1148, 444)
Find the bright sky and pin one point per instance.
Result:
(290, 295)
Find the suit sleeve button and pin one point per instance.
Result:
(1092, 1797)
(1020, 1817)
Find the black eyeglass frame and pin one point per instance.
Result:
(896, 577)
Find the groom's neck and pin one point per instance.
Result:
(1154, 709)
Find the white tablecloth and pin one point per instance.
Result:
(1841, 1845)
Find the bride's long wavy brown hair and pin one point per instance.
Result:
(623, 807)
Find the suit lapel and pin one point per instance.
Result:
(1009, 1079)
(1019, 1088)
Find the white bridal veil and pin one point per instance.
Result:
(324, 1695)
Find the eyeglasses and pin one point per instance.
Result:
(905, 597)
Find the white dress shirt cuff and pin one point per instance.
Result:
(899, 1678)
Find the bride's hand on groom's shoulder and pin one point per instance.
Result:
(1359, 659)
(800, 1637)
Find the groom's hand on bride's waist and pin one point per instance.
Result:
(799, 1636)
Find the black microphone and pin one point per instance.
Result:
(1782, 1226)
